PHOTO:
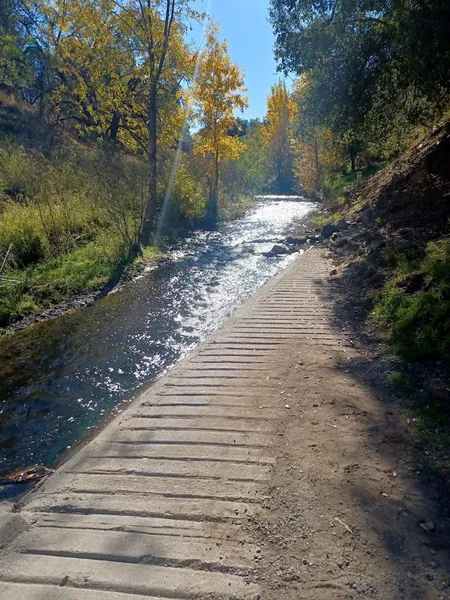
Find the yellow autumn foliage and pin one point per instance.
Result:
(278, 133)
(219, 91)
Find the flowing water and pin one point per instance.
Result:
(61, 378)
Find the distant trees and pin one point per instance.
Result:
(219, 91)
(253, 162)
(278, 132)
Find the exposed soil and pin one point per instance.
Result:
(412, 192)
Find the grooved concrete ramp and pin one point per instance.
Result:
(156, 506)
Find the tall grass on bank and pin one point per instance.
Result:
(67, 223)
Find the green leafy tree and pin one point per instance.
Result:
(360, 51)
(16, 47)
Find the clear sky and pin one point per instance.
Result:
(244, 23)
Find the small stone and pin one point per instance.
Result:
(328, 230)
(280, 249)
(296, 241)
(428, 526)
(342, 224)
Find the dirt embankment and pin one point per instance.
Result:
(403, 207)
(392, 261)
(398, 211)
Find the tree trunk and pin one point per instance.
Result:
(152, 208)
(353, 159)
(318, 174)
(214, 204)
(114, 127)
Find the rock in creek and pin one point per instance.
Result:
(281, 249)
(296, 241)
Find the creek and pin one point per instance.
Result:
(61, 378)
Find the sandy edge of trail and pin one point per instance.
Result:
(351, 511)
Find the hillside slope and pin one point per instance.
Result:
(398, 243)
(393, 263)
(413, 192)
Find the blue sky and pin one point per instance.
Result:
(244, 23)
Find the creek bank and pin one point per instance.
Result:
(294, 244)
(88, 298)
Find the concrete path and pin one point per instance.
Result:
(157, 505)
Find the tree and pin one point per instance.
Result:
(252, 164)
(317, 155)
(121, 64)
(357, 51)
(278, 134)
(95, 66)
(218, 92)
(152, 26)
(13, 65)
(22, 59)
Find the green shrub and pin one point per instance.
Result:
(419, 320)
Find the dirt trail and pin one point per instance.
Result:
(271, 463)
(351, 511)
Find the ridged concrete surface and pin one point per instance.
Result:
(156, 506)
